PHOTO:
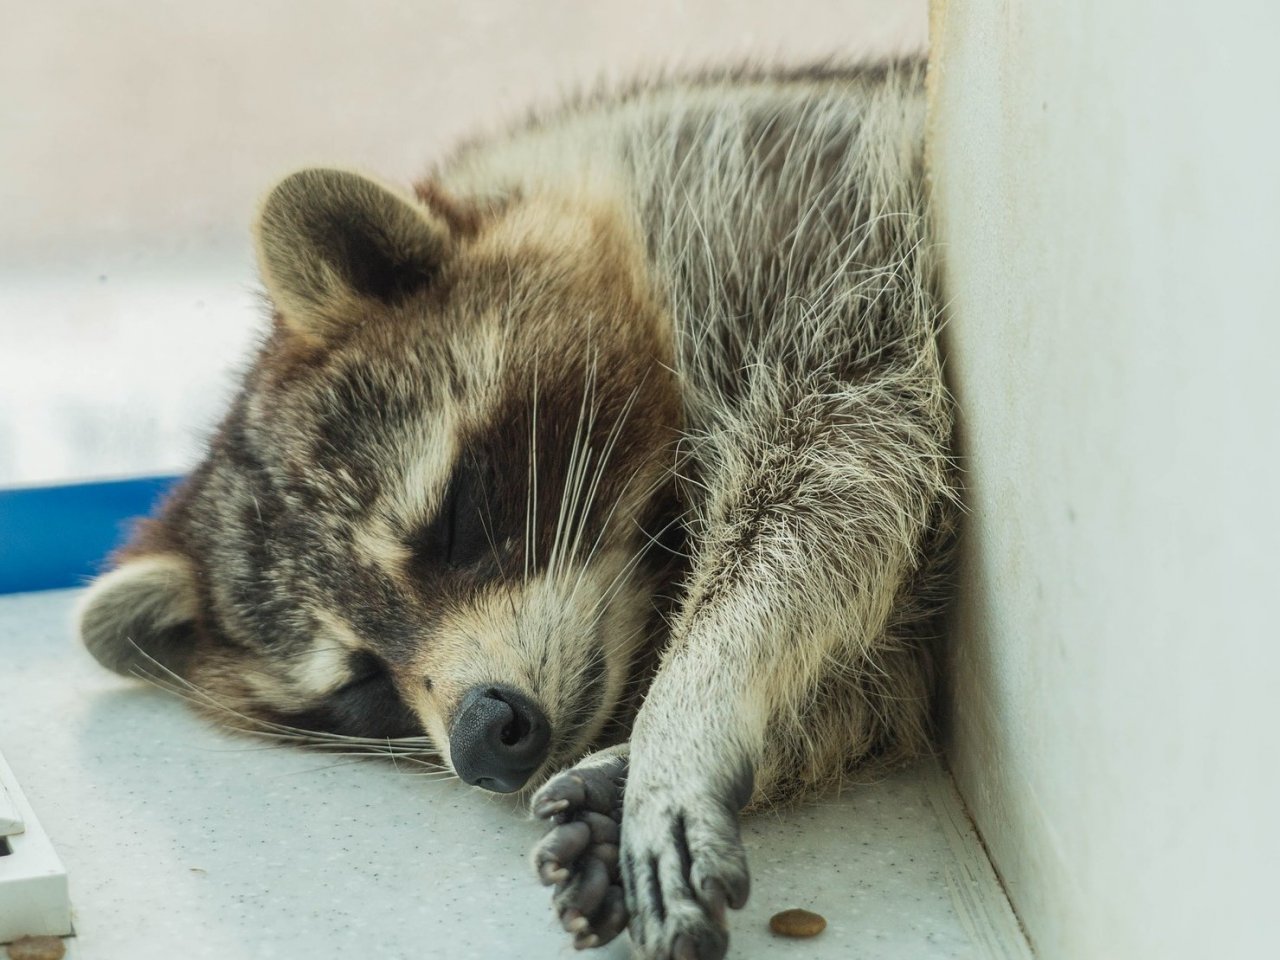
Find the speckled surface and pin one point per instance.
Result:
(181, 841)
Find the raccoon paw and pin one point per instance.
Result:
(579, 854)
(682, 863)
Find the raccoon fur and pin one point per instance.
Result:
(612, 463)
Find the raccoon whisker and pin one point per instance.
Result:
(324, 743)
(198, 697)
(414, 755)
(373, 742)
(607, 595)
(565, 533)
(289, 743)
(440, 777)
(177, 684)
(553, 561)
(654, 541)
(579, 461)
(610, 443)
(327, 766)
(531, 509)
(185, 689)
(579, 458)
(366, 754)
(615, 585)
(411, 749)
(659, 479)
(173, 683)
(582, 500)
(615, 431)
(595, 547)
(583, 510)
(401, 746)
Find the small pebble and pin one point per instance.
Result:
(37, 948)
(797, 923)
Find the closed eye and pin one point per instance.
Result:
(365, 668)
(468, 526)
(367, 705)
(461, 535)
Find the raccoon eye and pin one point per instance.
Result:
(470, 521)
(364, 667)
(368, 705)
(461, 534)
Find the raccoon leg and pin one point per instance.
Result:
(813, 521)
(579, 854)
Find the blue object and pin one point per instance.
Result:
(60, 536)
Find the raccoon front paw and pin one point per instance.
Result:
(579, 854)
(682, 863)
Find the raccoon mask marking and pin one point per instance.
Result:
(430, 508)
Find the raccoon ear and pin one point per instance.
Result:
(330, 241)
(140, 617)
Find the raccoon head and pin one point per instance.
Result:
(431, 509)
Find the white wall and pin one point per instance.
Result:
(1108, 190)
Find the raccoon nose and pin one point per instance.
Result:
(499, 737)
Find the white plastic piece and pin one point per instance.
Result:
(10, 819)
(33, 882)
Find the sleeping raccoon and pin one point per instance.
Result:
(612, 462)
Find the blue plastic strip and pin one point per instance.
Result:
(53, 537)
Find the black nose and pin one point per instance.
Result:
(499, 737)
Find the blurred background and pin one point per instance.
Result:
(137, 137)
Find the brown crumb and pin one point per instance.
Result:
(797, 923)
(37, 948)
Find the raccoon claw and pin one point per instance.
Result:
(582, 894)
(559, 849)
(607, 922)
(594, 787)
(579, 855)
(683, 864)
(550, 808)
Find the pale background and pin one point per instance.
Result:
(137, 137)
(162, 122)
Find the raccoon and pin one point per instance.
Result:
(610, 466)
